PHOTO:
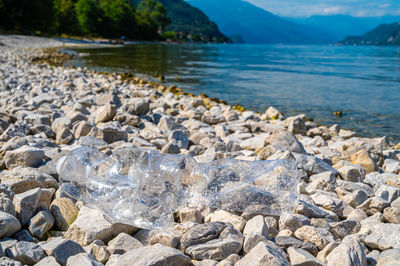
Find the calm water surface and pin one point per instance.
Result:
(363, 82)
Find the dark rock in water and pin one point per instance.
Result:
(338, 113)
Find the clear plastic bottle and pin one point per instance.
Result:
(144, 188)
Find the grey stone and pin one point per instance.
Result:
(6, 205)
(349, 252)
(109, 132)
(388, 193)
(313, 165)
(4, 261)
(122, 244)
(24, 156)
(253, 239)
(372, 258)
(23, 179)
(384, 236)
(288, 241)
(299, 257)
(137, 106)
(354, 173)
(374, 205)
(321, 256)
(355, 198)
(312, 211)
(180, 138)
(98, 250)
(48, 261)
(390, 257)
(216, 249)
(226, 217)
(23, 235)
(392, 166)
(105, 113)
(92, 224)
(83, 259)
(9, 225)
(145, 256)
(64, 212)
(41, 223)
(26, 252)
(284, 141)
(292, 221)
(201, 233)
(344, 228)
(26, 203)
(315, 235)
(263, 254)
(256, 225)
(171, 148)
(62, 249)
(169, 238)
(297, 126)
(192, 214)
(392, 215)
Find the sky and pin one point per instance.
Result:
(306, 8)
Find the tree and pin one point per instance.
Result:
(66, 20)
(152, 14)
(89, 15)
(118, 18)
(28, 15)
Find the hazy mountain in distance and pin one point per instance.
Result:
(385, 34)
(186, 18)
(342, 26)
(256, 25)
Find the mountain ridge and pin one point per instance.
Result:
(383, 35)
(191, 20)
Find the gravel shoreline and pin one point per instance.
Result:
(348, 212)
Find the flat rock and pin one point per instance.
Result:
(256, 225)
(384, 236)
(26, 252)
(263, 254)
(83, 259)
(24, 156)
(61, 249)
(226, 217)
(292, 222)
(315, 235)
(153, 255)
(105, 113)
(48, 261)
(201, 233)
(390, 257)
(299, 257)
(349, 252)
(122, 244)
(216, 249)
(24, 179)
(92, 224)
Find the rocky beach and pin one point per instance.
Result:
(347, 210)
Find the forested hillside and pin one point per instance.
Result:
(137, 20)
(385, 34)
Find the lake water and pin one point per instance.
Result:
(363, 82)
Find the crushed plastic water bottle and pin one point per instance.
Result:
(144, 188)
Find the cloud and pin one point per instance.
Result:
(305, 8)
